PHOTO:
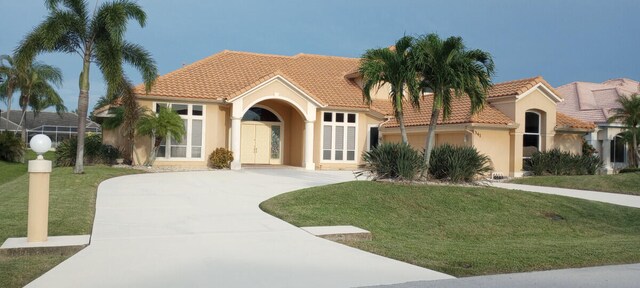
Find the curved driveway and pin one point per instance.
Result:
(204, 229)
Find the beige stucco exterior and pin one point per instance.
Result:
(301, 118)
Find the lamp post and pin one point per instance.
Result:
(39, 171)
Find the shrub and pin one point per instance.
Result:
(557, 162)
(11, 147)
(393, 161)
(457, 163)
(629, 170)
(220, 158)
(94, 151)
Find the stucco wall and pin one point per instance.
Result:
(496, 145)
(571, 142)
(113, 137)
(417, 140)
(215, 129)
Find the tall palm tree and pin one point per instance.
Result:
(449, 70)
(97, 37)
(8, 72)
(165, 123)
(629, 115)
(36, 82)
(391, 66)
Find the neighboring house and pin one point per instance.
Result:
(592, 102)
(57, 126)
(308, 111)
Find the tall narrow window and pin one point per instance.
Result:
(373, 137)
(531, 137)
(339, 136)
(618, 148)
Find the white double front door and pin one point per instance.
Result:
(257, 141)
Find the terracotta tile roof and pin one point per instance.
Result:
(460, 113)
(517, 87)
(229, 73)
(564, 121)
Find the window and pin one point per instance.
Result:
(373, 137)
(617, 149)
(531, 137)
(339, 136)
(191, 144)
(260, 114)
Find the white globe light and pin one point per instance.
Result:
(40, 144)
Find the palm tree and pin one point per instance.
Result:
(9, 72)
(36, 91)
(125, 116)
(449, 70)
(391, 66)
(165, 123)
(97, 37)
(629, 115)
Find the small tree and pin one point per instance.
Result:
(629, 115)
(166, 123)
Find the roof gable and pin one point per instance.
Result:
(228, 74)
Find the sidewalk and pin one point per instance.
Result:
(613, 198)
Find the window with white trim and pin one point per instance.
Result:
(531, 137)
(339, 136)
(191, 144)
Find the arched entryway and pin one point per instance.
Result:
(262, 135)
(295, 109)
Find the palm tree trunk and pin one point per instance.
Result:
(403, 130)
(635, 148)
(83, 106)
(9, 93)
(23, 131)
(435, 113)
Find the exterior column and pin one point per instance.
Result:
(606, 155)
(235, 142)
(308, 145)
(38, 214)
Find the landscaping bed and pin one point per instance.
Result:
(627, 183)
(466, 231)
(71, 212)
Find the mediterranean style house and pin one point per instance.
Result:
(308, 111)
(593, 102)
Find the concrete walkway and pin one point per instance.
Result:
(205, 229)
(619, 276)
(613, 198)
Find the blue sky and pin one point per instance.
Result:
(561, 40)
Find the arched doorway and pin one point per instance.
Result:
(261, 137)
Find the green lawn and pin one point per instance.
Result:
(71, 211)
(467, 231)
(10, 171)
(627, 183)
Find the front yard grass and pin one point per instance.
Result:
(71, 211)
(466, 231)
(626, 183)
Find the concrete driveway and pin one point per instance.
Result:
(204, 229)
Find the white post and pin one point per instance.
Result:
(235, 142)
(606, 155)
(308, 145)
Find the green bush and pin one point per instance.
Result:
(457, 163)
(94, 151)
(629, 170)
(557, 162)
(220, 158)
(393, 161)
(11, 147)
